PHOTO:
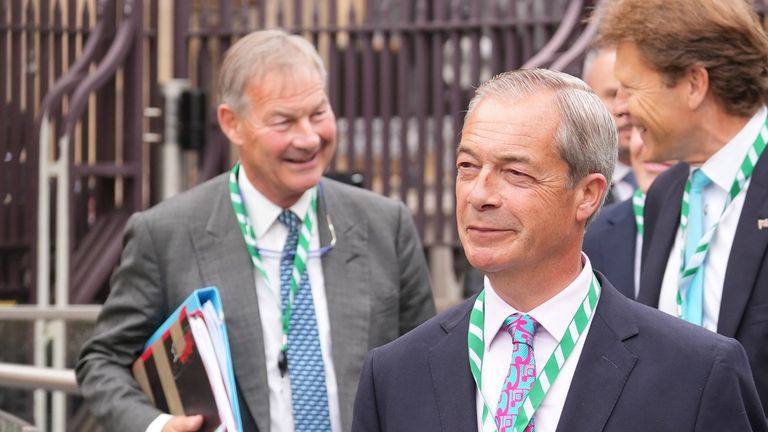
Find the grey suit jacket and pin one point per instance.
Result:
(640, 370)
(376, 281)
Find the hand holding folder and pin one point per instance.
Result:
(186, 366)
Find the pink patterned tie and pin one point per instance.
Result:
(522, 371)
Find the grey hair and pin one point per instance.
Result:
(590, 57)
(586, 138)
(259, 53)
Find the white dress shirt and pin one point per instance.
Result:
(554, 315)
(638, 261)
(270, 236)
(721, 168)
(621, 188)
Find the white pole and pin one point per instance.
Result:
(43, 267)
(171, 174)
(58, 327)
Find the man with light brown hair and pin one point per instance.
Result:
(694, 82)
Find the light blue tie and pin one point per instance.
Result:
(305, 360)
(693, 300)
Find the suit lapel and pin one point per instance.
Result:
(224, 262)
(747, 251)
(660, 236)
(454, 387)
(623, 236)
(604, 366)
(347, 291)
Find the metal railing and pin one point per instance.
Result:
(10, 423)
(39, 378)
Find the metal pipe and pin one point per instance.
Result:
(31, 377)
(87, 313)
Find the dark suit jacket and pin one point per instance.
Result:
(376, 283)
(744, 306)
(640, 370)
(610, 245)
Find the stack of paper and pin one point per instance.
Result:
(186, 367)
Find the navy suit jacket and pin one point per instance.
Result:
(744, 305)
(610, 245)
(640, 370)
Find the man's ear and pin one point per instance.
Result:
(230, 124)
(697, 80)
(589, 196)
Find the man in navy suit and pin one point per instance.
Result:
(548, 344)
(694, 81)
(614, 240)
(598, 74)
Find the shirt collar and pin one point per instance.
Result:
(620, 171)
(723, 166)
(554, 315)
(262, 212)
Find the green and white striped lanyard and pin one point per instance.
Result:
(299, 262)
(638, 204)
(688, 270)
(547, 376)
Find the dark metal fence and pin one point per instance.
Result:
(81, 108)
(401, 74)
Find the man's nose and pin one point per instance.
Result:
(306, 134)
(620, 103)
(485, 191)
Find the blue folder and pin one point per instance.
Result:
(195, 302)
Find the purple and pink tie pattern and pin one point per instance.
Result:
(522, 371)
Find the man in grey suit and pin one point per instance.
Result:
(549, 343)
(297, 356)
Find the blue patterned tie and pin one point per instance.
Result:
(522, 371)
(693, 301)
(305, 360)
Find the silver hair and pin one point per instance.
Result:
(590, 57)
(586, 138)
(256, 55)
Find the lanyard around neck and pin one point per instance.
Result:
(302, 251)
(689, 269)
(638, 204)
(547, 376)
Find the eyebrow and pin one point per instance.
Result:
(503, 158)
(290, 114)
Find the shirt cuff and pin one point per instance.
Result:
(158, 423)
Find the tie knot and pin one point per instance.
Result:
(521, 327)
(289, 219)
(699, 180)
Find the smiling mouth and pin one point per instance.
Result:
(303, 159)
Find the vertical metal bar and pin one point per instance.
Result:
(204, 59)
(385, 98)
(16, 110)
(422, 94)
(474, 72)
(334, 69)
(438, 112)
(350, 89)
(457, 103)
(5, 108)
(528, 29)
(182, 12)
(296, 16)
(369, 98)
(403, 71)
(133, 107)
(510, 39)
(497, 51)
(261, 15)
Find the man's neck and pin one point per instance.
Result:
(525, 289)
(716, 132)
